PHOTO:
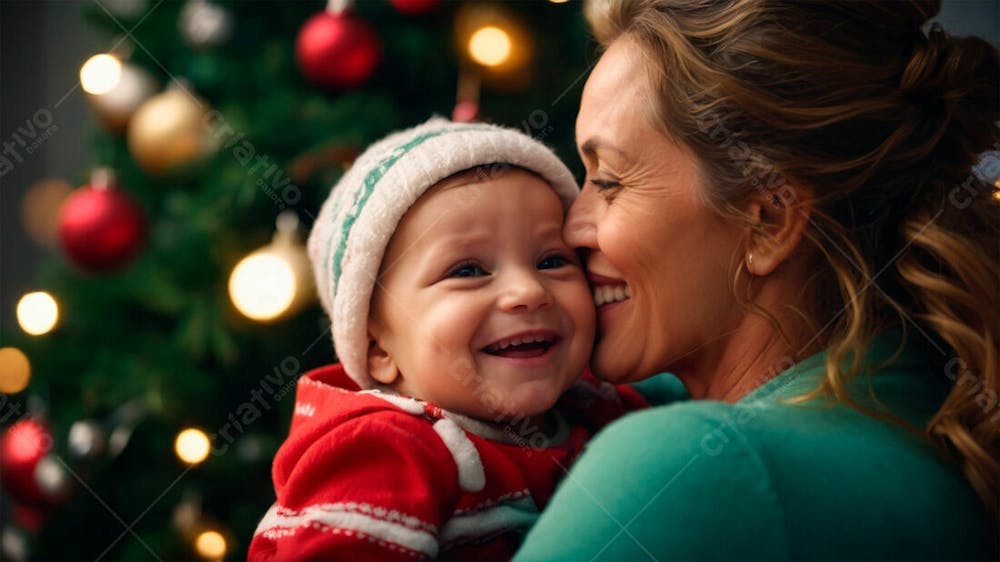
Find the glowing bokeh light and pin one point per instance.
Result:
(37, 313)
(210, 545)
(100, 74)
(262, 286)
(490, 46)
(192, 446)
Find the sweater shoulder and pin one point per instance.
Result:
(675, 490)
(772, 477)
(724, 438)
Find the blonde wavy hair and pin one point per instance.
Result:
(881, 121)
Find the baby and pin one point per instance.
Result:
(463, 322)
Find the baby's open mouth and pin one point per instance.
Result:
(524, 345)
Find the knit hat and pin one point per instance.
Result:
(360, 216)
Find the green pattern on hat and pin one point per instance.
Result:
(374, 176)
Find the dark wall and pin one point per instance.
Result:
(42, 45)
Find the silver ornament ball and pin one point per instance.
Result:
(86, 439)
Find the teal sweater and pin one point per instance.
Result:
(760, 479)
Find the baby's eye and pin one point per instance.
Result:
(554, 261)
(467, 270)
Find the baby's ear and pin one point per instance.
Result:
(381, 365)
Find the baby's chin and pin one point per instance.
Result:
(531, 400)
(508, 413)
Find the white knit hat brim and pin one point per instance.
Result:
(356, 222)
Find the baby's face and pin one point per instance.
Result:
(481, 307)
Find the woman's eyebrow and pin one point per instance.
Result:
(593, 145)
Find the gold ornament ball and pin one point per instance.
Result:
(40, 209)
(15, 370)
(169, 132)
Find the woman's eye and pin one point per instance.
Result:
(604, 184)
(554, 262)
(467, 270)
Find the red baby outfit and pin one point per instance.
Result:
(368, 475)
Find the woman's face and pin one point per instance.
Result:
(658, 257)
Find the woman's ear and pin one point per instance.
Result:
(780, 221)
(381, 365)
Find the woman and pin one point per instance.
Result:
(779, 209)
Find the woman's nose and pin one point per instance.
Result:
(523, 292)
(579, 230)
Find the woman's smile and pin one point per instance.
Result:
(608, 291)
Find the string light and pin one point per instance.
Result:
(210, 545)
(15, 370)
(100, 74)
(262, 285)
(37, 313)
(490, 46)
(275, 280)
(496, 43)
(192, 446)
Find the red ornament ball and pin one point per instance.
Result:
(100, 228)
(22, 446)
(337, 51)
(415, 7)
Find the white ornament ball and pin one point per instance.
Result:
(205, 25)
(115, 107)
(51, 478)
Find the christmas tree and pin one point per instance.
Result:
(237, 115)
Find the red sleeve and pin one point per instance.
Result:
(594, 404)
(631, 398)
(374, 488)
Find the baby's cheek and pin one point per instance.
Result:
(583, 309)
(462, 371)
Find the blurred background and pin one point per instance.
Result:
(160, 165)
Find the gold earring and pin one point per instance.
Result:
(749, 262)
